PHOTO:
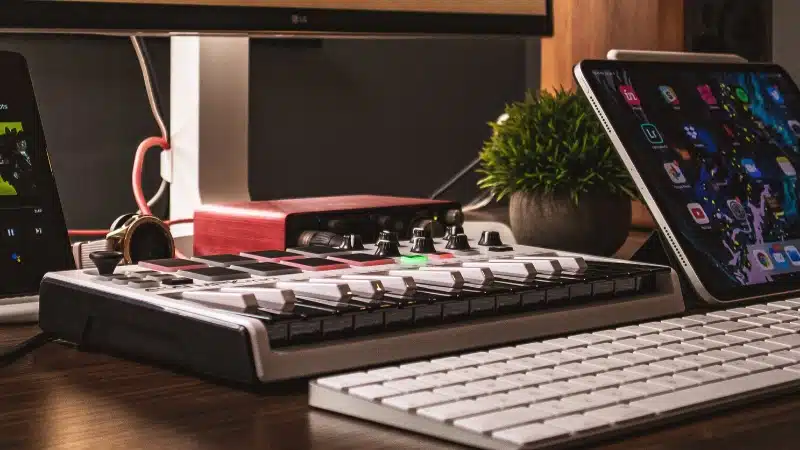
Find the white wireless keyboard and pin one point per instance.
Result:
(547, 393)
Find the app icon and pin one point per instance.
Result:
(669, 95)
(698, 214)
(691, 132)
(793, 254)
(737, 210)
(775, 94)
(674, 172)
(728, 130)
(652, 134)
(630, 95)
(16, 257)
(706, 94)
(685, 155)
(780, 259)
(741, 94)
(795, 127)
(750, 167)
(763, 259)
(11, 232)
(786, 166)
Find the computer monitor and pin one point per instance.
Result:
(265, 17)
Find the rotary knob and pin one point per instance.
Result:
(390, 236)
(423, 245)
(387, 249)
(106, 262)
(432, 227)
(458, 242)
(454, 217)
(352, 242)
(419, 232)
(453, 230)
(490, 239)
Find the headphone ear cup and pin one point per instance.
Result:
(122, 220)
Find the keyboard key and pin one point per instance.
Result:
(702, 319)
(723, 371)
(647, 388)
(726, 339)
(748, 366)
(591, 338)
(682, 349)
(455, 410)
(512, 352)
(724, 355)
(770, 307)
(635, 344)
(747, 336)
(767, 332)
(623, 376)
(391, 373)
(697, 376)
(587, 352)
(759, 321)
(698, 360)
(539, 348)
(768, 347)
(408, 385)
(620, 414)
(658, 353)
(747, 312)
(501, 419)
(613, 348)
(459, 391)
(415, 400)
(633, 358)
(674, 365)
(552, 374)
(473, 373)
(222, 300)
(789, 341)
(619, 395)
(580, 369)
(725, 315)
(453, 362)
(594, 382)
(791, 355)
(532, 363)
(483, 357)
(556, 408)
(704, 344)
(637, 330)
(746, 350)
(771, 361)
(683, 335)
(666, 325)
(725, 389)
(564, 343)
(659, 339)
(778, 318)
(782, 305)
(534, 432)
(650, 371)
(577, 423)
(491, 386)
(440, 379)
(560, 357)
(672, 382)
(349, 380)
(790, 313)
(614, 334)
(533, 395)
(607, 363)
(793, 327)
(704, 331)
(373, 392)
(504, 368)
(521, 380)
(422, 368)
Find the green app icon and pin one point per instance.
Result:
(741, 94)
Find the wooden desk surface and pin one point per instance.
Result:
(60, 398)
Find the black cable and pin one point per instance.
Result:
(445, 187)
(7, 358)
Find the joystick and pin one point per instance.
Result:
(458, 242)
(352, 242)
(453, 230)
(490, 239)
(423, 245)
(390, 236)
(387, 248)
(106, 262)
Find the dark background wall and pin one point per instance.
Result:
(389, 117)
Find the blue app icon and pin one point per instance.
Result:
(793, 254)
(775, 94)
(781, 262)
(751, 168)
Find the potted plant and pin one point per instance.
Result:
(567, 187)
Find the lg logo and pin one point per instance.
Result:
(299, 19)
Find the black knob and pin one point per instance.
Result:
(105, 262)
(352, 242)
(390, 236)
(388, 223)
(419, 232)
(423, 245)
(321, 238)
(432, 227)
(454, 217)
(458, 242)
(490, 239)
(387, 249)
(453, 230)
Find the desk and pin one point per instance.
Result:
(60, 398)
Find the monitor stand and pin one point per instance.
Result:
(209, 126)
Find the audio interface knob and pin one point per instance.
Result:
(423, 245)
(458, 242)
(419, 232)
(431, 227)
(454, 217)
(490, 239)
(387, 249)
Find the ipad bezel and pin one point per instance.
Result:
(674, 240)
(59, 257)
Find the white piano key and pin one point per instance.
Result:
(568, 264)
(450, 279)
(323, 291)
(267, 298)
(479, 275)
(371, 289)
(504, 267)
(544, 265)
(224, 300)
(393, 284)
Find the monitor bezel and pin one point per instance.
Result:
(122, 18)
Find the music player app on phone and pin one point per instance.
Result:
(698, 214)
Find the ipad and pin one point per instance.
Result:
(714, 150)
(33, 234)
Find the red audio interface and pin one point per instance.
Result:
(281, 224)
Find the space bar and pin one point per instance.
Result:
(721, 390)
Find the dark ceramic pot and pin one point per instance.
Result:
(598, 225)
